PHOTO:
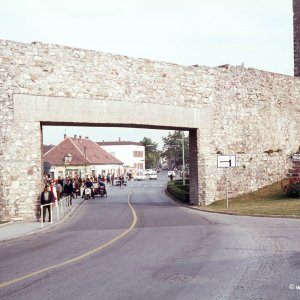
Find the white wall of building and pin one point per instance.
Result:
(132, 156)
(90, 170)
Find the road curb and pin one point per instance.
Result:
(45, 229)
(177, 202)
(6, 223)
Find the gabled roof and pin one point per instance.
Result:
(119, 143)
(46, 148)
(83, 151)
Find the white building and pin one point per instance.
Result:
(132, 154)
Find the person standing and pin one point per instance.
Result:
(47, 198)
(59, 190)
(121, 179)
(53, 190)
(112, 178)
(68, 190)
(108, 178)
(61, 182)
(103, 178)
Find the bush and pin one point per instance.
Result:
(179, 191)
(292, 188)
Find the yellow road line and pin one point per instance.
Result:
(77, 258)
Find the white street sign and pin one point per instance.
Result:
(295, 156)
(226, 161)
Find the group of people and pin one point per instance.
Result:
(55, 189)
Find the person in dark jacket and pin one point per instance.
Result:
(47, 197)
(68, 190)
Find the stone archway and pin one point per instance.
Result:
(228, 110)
(34, 111)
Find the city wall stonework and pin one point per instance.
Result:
(247, 112)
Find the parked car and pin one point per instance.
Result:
(139, 176)
(147, 171)
(151, 171)
(153, 175)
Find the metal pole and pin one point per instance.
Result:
(84, 149)
(42, 216)
(183, 165)
(226, 188)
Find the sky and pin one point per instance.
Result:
(255, 33)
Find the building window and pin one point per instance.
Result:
(138, 166)
(138, 153)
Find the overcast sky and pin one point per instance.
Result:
(257, 33)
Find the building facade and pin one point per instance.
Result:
(80, 157)
(132, 154)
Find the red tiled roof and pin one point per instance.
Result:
(118, 143)
(83, 151)
(46, 148)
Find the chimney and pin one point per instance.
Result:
(75, 136)
(80, 137)
(86, 137)
(65, 136)
(119, 139)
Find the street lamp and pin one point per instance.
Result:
(84, 150)
(68, 159)
(183, 164)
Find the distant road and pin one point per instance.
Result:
(172, 253)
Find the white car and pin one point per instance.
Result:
(153, 175)
(147, 171)
(139, 177)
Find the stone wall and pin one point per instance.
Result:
(252, 113)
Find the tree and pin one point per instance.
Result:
(172, 149)
(151, 153)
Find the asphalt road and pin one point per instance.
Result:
(172, 252)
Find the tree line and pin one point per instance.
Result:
(172, 152)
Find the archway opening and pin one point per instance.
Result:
(133, 147)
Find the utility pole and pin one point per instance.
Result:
(84, 149)
(183, 164)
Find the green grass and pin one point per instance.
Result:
(270, 201)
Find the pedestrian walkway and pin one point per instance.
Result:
(14, 230)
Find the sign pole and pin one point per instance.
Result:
(227, 188)
(226, 161)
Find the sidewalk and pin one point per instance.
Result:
(14, 230)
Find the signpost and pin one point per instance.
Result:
(226, 161)
(295, 157)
